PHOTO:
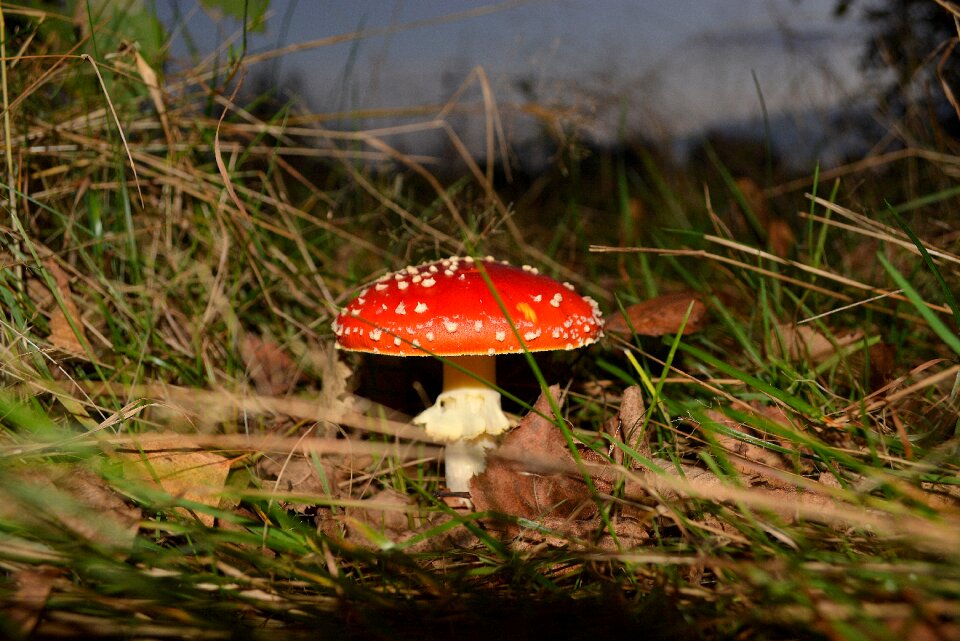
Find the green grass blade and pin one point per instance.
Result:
(938, 326)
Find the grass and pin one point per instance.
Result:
(183, 454)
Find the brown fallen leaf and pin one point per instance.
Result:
(194, 476)
(75, 499)
(533, 475)
(66, 329)
(749, 459)
(625, 426)
(271, 369)
(799, 342)
(386, 513)
(22, 609)
(660, 316)
(780, 237)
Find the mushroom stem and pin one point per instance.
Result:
(484, 367)
(467, 413)
(465, 458)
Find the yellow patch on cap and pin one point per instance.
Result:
(527, 311)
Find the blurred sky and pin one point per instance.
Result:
(667, 68)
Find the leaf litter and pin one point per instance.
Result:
(660, 316)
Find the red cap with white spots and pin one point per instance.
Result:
(447, 308)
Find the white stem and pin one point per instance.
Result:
(467, 414)
(463, 459)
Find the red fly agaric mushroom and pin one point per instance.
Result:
(446, 308)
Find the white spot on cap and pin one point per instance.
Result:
(402, 285)
(429, 336)
(491, 351)
(420, 308)
(397, 341)
(555, 301)
(428, 282)
(361, 300)
(538, 298)
(375, 334)
(400, 309)
(529, 336)
(478, 325)
(568, 286)
(416, 343)
(380, 287)
(501, 336)
(450, 326)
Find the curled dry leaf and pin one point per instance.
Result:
(194, 476)
(533, 475)
(660, 316)
(271, 369)
(625, 426)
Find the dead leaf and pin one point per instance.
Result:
(194, 476)
(66, 329)
(77, 500)
(660, 316)
(22, 609)
(780, 237)
(334, 374)
(533, 475)
(799, 342)
(625, 426)
(272, 371)
(751, 460)
(755, 199)
(297, 474)
(386, 512)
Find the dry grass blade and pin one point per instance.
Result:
(116, 120)
(885, 234)
(225, 404)
(166, 443)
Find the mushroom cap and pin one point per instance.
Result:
(446, 308)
